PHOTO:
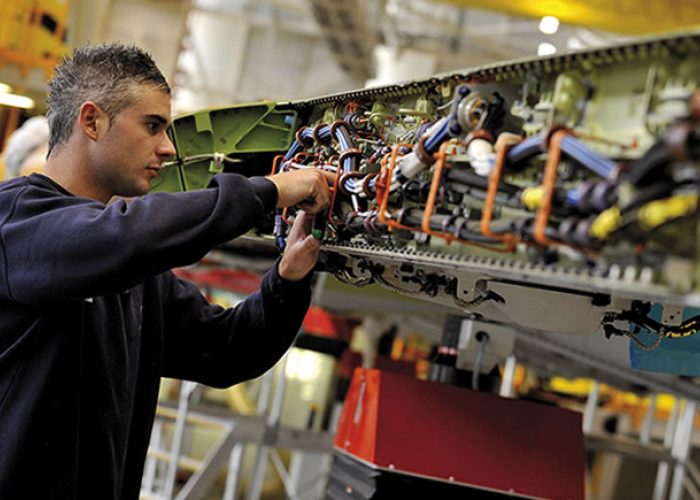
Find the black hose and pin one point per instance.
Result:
(657, 191)
(457, 226)
(463, 177)
(649, 169)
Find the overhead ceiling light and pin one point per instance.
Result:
(545, 49)
(16, 101)
(5, 88)
(549, 25)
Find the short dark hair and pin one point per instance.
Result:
(108, 75)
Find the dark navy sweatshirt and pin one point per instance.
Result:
(91, 318)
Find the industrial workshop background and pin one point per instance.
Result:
(510, 393)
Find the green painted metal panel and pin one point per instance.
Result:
(230, 133)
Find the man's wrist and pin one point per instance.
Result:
(285, 279)
(287, 274)
(266, 191)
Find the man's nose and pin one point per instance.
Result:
(166, 149)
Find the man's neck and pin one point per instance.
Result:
(70, 172)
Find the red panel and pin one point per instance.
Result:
(475, 438)
(322, 323)
(357, 426)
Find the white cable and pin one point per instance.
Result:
(219, 159)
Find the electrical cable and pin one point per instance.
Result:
(464, 177)
(219, 159)
(483, 339)
(661, 189)
(448, 224)
(646, 170)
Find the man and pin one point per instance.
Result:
(91, 317)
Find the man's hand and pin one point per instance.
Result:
(307, 189)
(301, 252)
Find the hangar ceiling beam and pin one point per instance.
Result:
(627, 17)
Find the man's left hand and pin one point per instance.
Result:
(301, 252)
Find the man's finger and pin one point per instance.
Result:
(330, 177)
(301, 227)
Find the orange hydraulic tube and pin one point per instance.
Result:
(275, 163)
(492, 191)
(382, 187)
(334, 190)
(432, 196)
(548, 183)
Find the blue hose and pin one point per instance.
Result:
(587, 157)
(571, 146)
(307, 134)
(573, 196)
(524, 150)
(433, 142)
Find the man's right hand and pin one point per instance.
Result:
(307, 189)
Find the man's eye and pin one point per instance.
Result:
(153, 127)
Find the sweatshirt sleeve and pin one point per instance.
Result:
(63, 247)
(221, 347)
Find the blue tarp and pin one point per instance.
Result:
(674, 355)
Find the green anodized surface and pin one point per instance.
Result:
(227, 132)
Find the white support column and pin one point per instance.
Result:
(261, 458)
(149, 473)
(591, 406)
(662, 472)
(186, 390)
(235, 468)
(506, 390)
(645, 433)
(278, 399)
(681, 449)
(258, 474)
(289, 486)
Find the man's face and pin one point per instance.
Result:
(133, 148)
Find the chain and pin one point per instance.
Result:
(659, 338)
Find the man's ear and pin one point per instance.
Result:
(92, 120)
